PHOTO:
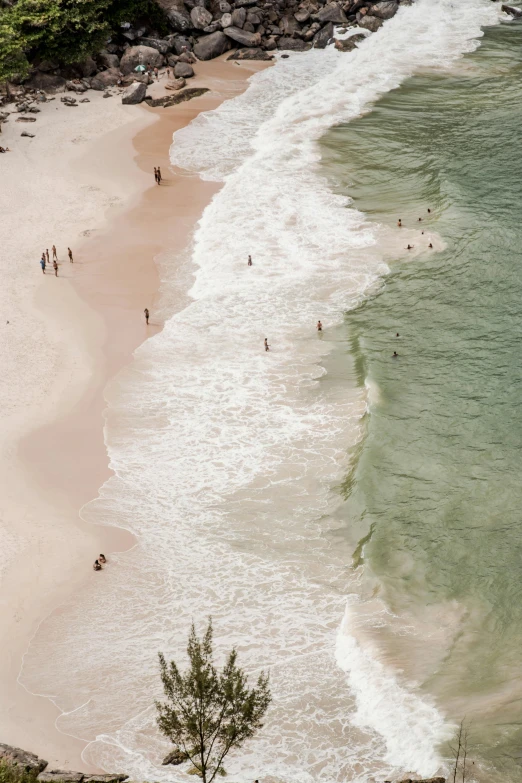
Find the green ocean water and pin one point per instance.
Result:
(436, 492)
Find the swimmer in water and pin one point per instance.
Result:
(397, 335)
(399, 223)
(319, 326)
(430, 246)
(395, 355)
(429, 211)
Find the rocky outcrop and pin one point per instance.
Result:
(175, 758)
(183, 71)
(65, 776)
(250, 54)
(180, 97)
(140, 55)
(134, 93)
(105, 79)
(243, 37)
(349, 44)
(211, 46)
(16, 757)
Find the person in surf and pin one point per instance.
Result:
(267, 347)
(319, 326)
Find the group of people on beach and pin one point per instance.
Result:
(45, 260)
(97, 565)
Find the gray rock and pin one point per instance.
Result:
(226, 20)
(183, 71)
(211, 46)
(60, 776)
(225, 7)
(180, 20)
(16, 757)
(47, 65)
(180, 43)
(239, 17)
(134, 93)
(49, 82)
(75, 87)
(175, 757)
(242, 37)
(384, 9)
(29, 135)
(253, 18)
(108, 60)
(87, 67)
(292, 44)
(200, 17)
(302, 16)
(140, 55)
(67, 100)
(331, 13)
(105, 79)
(371, 23)
(180, 97)
(161, 46)
(104, 778)
(176, 84)
(515, 12)
(324, 36)
(187, 57)
(349, 44)
(250, 54)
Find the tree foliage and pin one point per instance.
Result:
(65, 31)
(208, 713)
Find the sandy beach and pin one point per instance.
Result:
(84, 181)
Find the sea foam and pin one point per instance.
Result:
(227, 459)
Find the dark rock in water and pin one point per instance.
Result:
(431, 780)
(331, 13)
(250, 54)
(159, 44)
(211, 46)
(384, 9)
(134, 93)
(60, 776)
(371, 23)
(180, 97)
(108, 60)
(293, 44)
(515, 12)
(243, 37)
(140, 55)
(183, 71)
(105, 79)
(200, 17)
(175, 757)
(324, 36)
(349, 44)
(16, 757)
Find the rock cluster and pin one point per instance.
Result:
(29, 762)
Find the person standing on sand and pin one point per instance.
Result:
(55, 267)
(42, 264)
(47, 255)
(267, 347)
(55, 254)
(249, 261)
(156, 175)
(69, 253)
(159, 176)
(146, 311)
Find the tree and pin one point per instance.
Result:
(208, 713)
(459, 750)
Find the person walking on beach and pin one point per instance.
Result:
(159, 176)
(55, 254)
(267, 347)
(47, 255)
(69, 253)
(55, 267)
(249, 261)
(319, 326)
(146, 311)
(156, 175)
(42, 264)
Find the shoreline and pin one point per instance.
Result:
(64, 462)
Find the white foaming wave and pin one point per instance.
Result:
(224, 457)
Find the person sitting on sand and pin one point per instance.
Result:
(267, 347)
(319, 326)
(102, 559)
(249, 263)
(97, 566)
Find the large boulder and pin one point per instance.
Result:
(48, 82)
(108, 60)
(105, 79)
(292, 44)
(211, 46)
(324, 36)
(140, 55)
(180, 44)
(180, 20)
(384, 9)
(243, 37)
(250, 54)
(60, 776)
(200, 17)
(371, 23)
(226, 21)
(87, 67)
(16, 757)
(331, 13)
(162, 46)
(183, 71)
(134, 93)
(239, 16)
(349, 44)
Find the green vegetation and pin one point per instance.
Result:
(15, 774)
(208, 713)
(65, 31)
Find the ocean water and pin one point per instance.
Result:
(277, 491)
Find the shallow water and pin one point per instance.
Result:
(249, 479)
(437, 484)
